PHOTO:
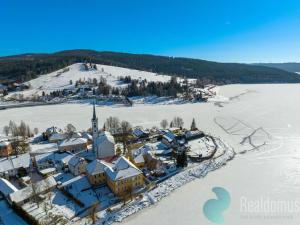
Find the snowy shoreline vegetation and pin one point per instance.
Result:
(166, 187)
(81, 81)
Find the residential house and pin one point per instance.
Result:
(73, 145)
(5, 149)
(124, 177)
(193, 134)
(57, 137)
(13, 165)
(54, 160)
(77, 165)
(171, 140)
(139, 132)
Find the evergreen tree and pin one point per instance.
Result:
(193, 125)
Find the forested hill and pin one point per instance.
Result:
(290, 67)
(28, 66)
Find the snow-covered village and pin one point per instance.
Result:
(103, 174)
(149, 112)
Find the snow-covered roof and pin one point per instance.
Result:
(138, 155)
(27, 192)
(43, 148)
(139, 131)
(192, 133)
(47, 171)
(57, 137)
(73, 141)
(4, 143)
(122, 169)
(139, 158)
(81, 189)
(55, 157)
(95, 167)
(105, 136)
(80, 181)
(76, 135)
(6, 187)
(75, 160)
(14, 162)
(169, 136)
(87, 136)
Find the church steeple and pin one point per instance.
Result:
(94, 112)
(94, 129)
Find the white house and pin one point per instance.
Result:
(105, 145)
(10, 166)
(77, 165)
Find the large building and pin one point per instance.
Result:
(124, 177)
(73, 145)
(103, 143)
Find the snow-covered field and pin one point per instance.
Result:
(260, 119)
(55, 81)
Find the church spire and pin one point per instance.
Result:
(94, 112)
(94, 129)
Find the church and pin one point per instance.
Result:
(103, 142)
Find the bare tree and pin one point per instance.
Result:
(126, 130)
(35, 130)
(112, 124)
(23, 129)
(70, 130)
(177, 122)
(28, 131)
(6, 130)
(126, 127)
(164, 123)
(13, 128)
(93, 212)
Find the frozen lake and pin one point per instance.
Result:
(260, 119)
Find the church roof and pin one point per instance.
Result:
(105, 136)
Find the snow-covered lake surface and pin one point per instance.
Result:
(260, 119)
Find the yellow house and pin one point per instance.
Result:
(96, 172)
(124, 177)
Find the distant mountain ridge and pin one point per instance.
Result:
(28, 66)
(290, 67)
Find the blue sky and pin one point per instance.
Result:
(226, 31)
